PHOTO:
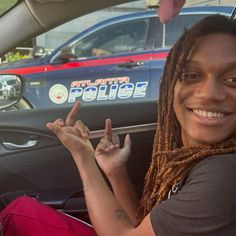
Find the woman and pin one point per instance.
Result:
(190, 188)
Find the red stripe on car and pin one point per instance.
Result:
(84, 63)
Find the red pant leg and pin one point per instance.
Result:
(28, 217)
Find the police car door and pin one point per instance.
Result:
(111, 64)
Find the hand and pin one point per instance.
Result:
(73, 134)
(110, 157)
(169, 9)
(98, 52)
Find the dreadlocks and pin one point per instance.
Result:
(171, 162)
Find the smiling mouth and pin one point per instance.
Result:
(207, 114)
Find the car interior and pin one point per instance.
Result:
(32, 160)
(45, 170)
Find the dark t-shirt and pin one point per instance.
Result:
(206, 203)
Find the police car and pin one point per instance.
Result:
(118, 60)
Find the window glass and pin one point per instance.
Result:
(175, 28)
(158, 35)
(5, 5)
(117, 39)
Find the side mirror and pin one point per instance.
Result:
(38, 51)
(66, 54)
(11, 90)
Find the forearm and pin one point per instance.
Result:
(106, 214)
(125, 193)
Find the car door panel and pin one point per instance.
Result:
(47, 171)
(94, 84)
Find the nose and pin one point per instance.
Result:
(210, 89)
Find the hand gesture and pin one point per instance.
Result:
(73, 134)
(109, 155)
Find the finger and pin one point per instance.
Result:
(108, 130)
(102, 147)
(55, 129)
(116, 140)
(165, 10)
(82, 128)
(61, 135)
(59, 122)
(71, 117)
(127, 142)
(178, 4)
(106, 144)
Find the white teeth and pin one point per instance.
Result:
(208, 114)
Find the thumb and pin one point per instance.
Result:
(177, 6)
(54, 128)
(166, 10)
(127, 141)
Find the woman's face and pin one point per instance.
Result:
(205, 98)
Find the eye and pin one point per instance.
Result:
(231, 81)
(190, 77)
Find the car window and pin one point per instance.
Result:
(6, 5)
(11, 82)
(116, 39)
(175, 28)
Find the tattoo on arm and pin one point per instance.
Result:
(120, 214)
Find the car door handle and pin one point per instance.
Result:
(131, 64)
(14, 146)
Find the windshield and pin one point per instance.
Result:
(5, 5)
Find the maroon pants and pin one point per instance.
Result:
(27, 217)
